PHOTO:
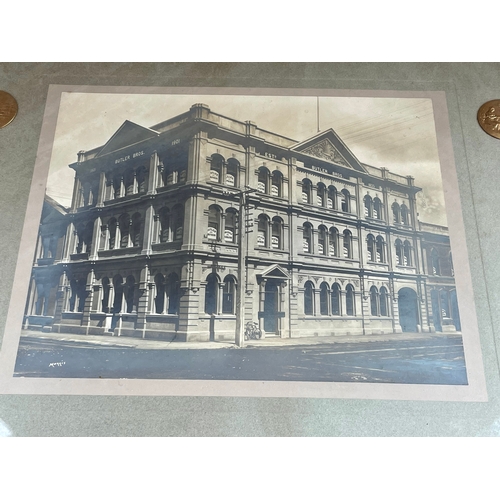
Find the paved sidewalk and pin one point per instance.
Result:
(138, 343)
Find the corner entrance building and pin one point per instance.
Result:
(149, 246)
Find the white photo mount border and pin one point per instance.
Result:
(474, 391)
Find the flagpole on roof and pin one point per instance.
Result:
(317, 110)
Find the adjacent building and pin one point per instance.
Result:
(149, 246)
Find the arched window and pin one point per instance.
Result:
(407, 253)
(346, 201)
(177, 222)
(130, 294)
(160, 301)
(347, 244)
(87, 194)
(169, 171)
(214, 223)
(383, 301)
(211, 290)
(84, 233)
(135, 230)
(321, 195)
(164, 219)
(142, 179)
(306, 191)
(322, 240)
(436, 268)
(374, 301)
(228, 295)
(106, 288)
(277, 234)
(262, 232)
(216, 163)
(167, 294)
(124, 231)
(129, 179)
(308, 298)
(370, 243)
(380, 249)
(405, 216)
(335, 299)
(230, 225)
(117, 186)
(331, 201)
(233, 167)
(277, 184)
(333, 242)
(367, 200)
(263, 180)
(377, 208)
(172, 292)
(399, 252)
(349, 300)
(444, 301)
(323, 299)
(307, 238)
(396, 213)
(112, 226)
(118, 297)
(78, 295)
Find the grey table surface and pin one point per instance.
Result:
(468, 85)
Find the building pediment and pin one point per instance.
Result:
(274, 271)
(128, 134)
(52, 211)
(328, 146)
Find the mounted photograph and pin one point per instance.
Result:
(263, 239)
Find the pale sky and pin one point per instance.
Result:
(395, 133)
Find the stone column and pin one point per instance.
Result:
(89, 289)
(77, 188)
(154, 173)
(143, 289)
(359, 202)
(149, 225)
(95, 239)
(101, 190)
(316, 302)
(70, 241)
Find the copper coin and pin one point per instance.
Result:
(488, 117)
(8, 108)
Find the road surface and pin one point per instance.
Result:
(432, 360)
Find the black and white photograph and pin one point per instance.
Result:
(237, 237)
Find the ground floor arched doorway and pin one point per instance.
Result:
(408, 310)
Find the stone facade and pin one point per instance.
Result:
(150, 248)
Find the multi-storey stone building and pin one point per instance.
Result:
(149, 246)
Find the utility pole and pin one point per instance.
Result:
(242, 254)
(240, 290)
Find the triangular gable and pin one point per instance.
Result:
(129, 133)
(329, 146)
(52, 211)
(274, 271)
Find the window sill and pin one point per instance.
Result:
(79, 256)
(219, 316)
(267, 249)
(119, 251)
(167, 245)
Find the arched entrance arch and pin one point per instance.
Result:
(408, 310)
